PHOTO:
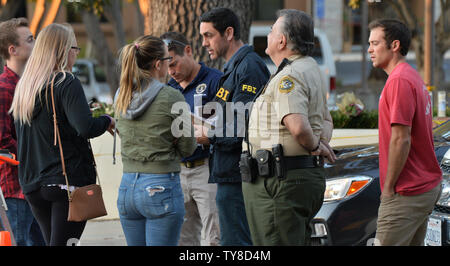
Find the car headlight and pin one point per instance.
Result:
(444, 200)
(339, 188)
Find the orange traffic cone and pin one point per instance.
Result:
(5, 238)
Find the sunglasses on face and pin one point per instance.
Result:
(166, 58)
(170, 43)
(78, 49)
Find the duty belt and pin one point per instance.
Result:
(303, 161)
(192, 164)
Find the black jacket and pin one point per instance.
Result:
(40, 162)
(245, 74)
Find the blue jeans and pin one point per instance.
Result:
(151, 208)
(234, 229)
(25, 228)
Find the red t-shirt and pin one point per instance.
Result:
(405, 100)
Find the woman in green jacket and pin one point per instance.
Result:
(150, 201)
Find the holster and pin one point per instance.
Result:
(247, 166)
(264, 162)
(279, 161)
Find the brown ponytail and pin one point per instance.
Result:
(137, 61)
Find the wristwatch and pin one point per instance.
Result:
(315, 149)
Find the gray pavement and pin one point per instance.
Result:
(103, 233)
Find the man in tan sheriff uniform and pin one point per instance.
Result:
(287, 190)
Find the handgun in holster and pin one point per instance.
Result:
(279, 162)
(247, 167)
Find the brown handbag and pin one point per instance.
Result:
(84, 202)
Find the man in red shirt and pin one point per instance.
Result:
(16, 44)
(410, 177)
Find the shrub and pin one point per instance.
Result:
(99, 109)
(447, 111)
(351, 113)
(365, 119)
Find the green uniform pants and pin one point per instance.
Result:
(279, 212)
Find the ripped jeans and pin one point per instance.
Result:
(151, 208)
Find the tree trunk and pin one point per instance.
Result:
(442, 30)
(51, 14)
(102, 52)
(439, 74)
(442, 37)
(140, 17)
(37, 16)
(184, 16)
(114, 15)
(10, 9)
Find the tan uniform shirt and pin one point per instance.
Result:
(299, 88)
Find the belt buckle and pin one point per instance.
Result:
(316, 161)
(189, 164)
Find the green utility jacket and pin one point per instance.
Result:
(148, 143)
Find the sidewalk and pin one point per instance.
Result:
(103, 233)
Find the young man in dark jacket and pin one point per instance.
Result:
(245, 74)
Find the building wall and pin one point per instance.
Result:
(300, 5)
(328, 16)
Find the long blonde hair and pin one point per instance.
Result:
(49, 57)
(137, 61)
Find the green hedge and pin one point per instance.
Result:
(447, 112)
(365, 119)
(99, 109)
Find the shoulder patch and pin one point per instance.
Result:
(286, 84)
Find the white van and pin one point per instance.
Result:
(322, 53)
(93, 80)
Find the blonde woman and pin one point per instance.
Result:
(150, 202)
(40, 172)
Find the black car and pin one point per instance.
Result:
(349, 213)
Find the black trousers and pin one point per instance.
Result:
(50, 207)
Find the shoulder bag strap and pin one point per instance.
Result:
(95, 164)
(58, 139)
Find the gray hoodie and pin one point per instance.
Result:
(140, 101)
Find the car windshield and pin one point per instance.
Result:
(99, 73)
(260, 45)
(81, 70)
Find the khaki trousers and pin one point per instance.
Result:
(403, 220)
(201, 221)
